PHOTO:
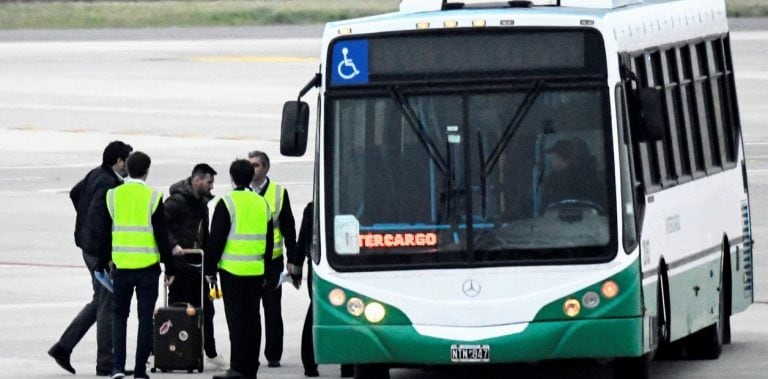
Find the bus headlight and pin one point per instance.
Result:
(571, 307)
(590, 299)
(375, 312)
(337, 297)
(355, 306)
(610, 289)
(478, 23)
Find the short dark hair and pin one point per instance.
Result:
(138, 164)
(115, 150)
(261, 155)
(203, 169)
(241, 172)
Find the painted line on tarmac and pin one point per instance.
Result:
(63, 304)
(31, 264)
(143, 111)
(253, 59)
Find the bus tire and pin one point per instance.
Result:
(665, 349)
(727, 291)
(707, 343)
(371, 371)
(632, 368)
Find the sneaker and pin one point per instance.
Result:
(273, 364)
(217, 363)
(117, 375)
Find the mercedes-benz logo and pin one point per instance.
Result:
(471, 287)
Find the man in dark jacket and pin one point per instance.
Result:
(128, 234)
(186, 215)
(94, 186)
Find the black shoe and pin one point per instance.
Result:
(273, 364)
(230, 374)
(62, 357)
(311, 372)
(141, 376)
(347, 371)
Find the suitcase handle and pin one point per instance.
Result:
(202, 275)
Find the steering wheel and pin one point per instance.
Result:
(576, 203)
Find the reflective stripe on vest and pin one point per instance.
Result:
(274, 196)
(133, 240)
(247, 240)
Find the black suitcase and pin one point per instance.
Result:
(178, 335)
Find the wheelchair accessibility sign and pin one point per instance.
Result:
(349, 64)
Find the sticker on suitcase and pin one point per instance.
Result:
(165, 327)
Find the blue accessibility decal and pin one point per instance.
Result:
(350, 62)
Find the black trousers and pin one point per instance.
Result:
(187, 288)
(307, 348)
(273, 313)
(98, 311)
(144, 282)
(307, 341)
(241, 308)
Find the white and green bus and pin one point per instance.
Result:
(513, 182)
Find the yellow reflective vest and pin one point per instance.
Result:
(133, 240)
(274, 195)
(247, 240)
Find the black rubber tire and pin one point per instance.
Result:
(371, 371)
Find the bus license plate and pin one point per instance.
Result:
(470, 353)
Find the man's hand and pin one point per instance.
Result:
(295, 272)
(177, 250)
(169, 280)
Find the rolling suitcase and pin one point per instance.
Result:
(178, 333)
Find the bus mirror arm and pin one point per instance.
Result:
(314, 82)
(295, 124)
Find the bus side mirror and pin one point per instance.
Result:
(652, 113)
(294, 128)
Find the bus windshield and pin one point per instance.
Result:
(470, 174)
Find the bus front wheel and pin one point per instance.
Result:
(632, 368)
(371, 371)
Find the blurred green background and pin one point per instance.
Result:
(159, 13)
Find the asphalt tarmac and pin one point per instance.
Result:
(210, 95)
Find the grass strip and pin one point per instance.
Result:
(201, 13)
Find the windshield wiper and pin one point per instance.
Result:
(512, 127)
(418, 128)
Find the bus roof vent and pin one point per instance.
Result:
(600, 4)
(415, 6)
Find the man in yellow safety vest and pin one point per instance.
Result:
(285, 234)
(134, 237)
(239, 244)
